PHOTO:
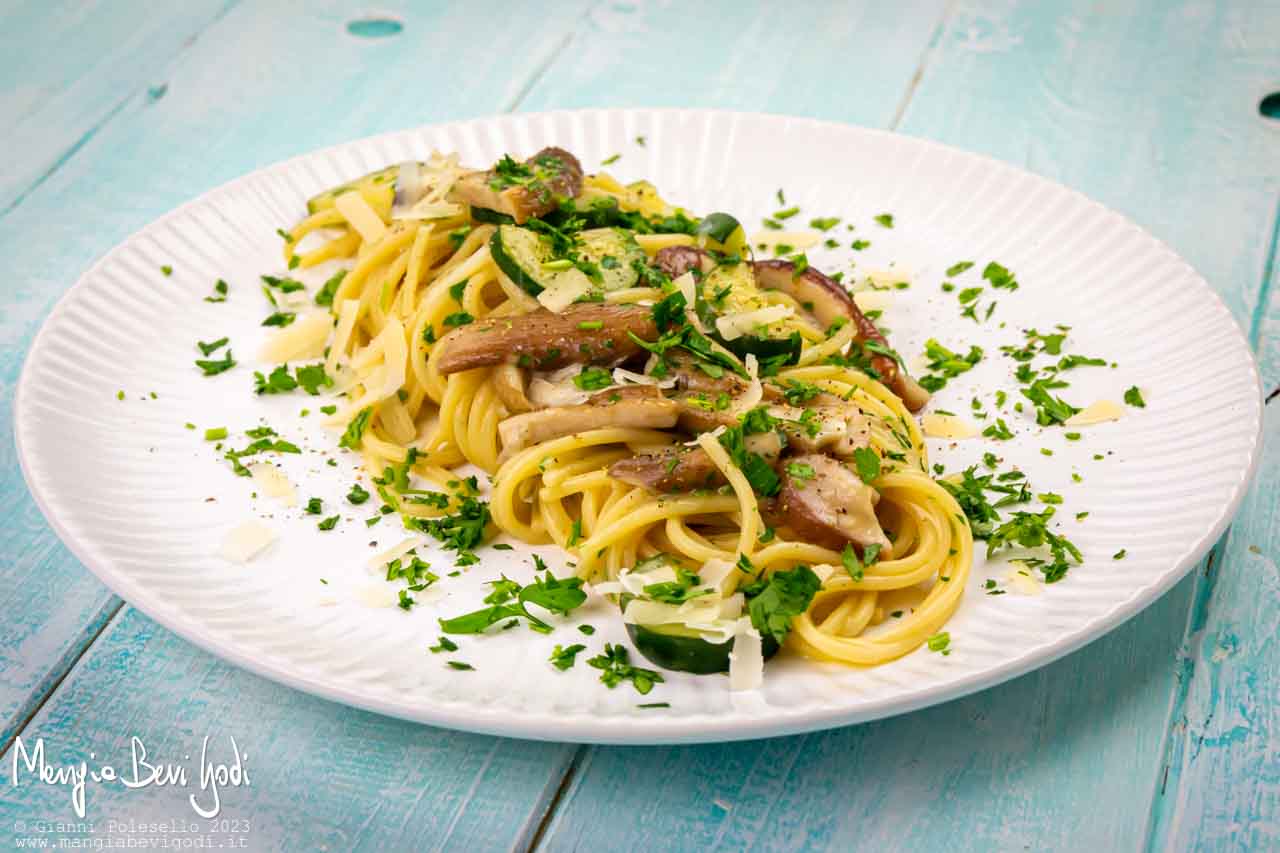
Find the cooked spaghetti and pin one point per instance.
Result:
(688, 423)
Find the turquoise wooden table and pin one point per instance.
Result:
(1163, 735)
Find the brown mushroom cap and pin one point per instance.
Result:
(830, 302)
(547, 340)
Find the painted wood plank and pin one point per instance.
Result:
(1151, 108)
(307, 82)
(68, 71)
(214, 124)
(1016, 767)
(321, 776)
(1221, 788)
(848, 61)
(105, 55)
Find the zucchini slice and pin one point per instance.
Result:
(675, 646)
(520, 253)
(383, 180)
(614, 251)
(490, 217)
(529, 260)
(732, 289)
(665, 646)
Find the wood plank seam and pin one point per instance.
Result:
(93, 131)
(583, 753)
(552, 806)
(1172, 744)
(930, 49)
(1264, 291)
(1160, 814)
(59, 672)
(540, 70)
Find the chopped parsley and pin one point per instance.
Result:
(510, 600)
(946, 364)
(958, 267)
(593, 379)
(1031, 530)
(940, 642)
(443, 644)
(353, 437)
(885, 219)
(357, 495)
(615, 667)
(278, 382)
(867, 463)
(564, 657)
(1133, 397)
(999, 276)
(327, 291)
(210, 348)
(855, 565)
(329, 523)
(212, 367)
(220, 290)
(775, 602)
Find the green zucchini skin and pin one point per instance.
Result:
(688, 654)
(521, 254)
(324, 200)
(518, 253)
(490, 217)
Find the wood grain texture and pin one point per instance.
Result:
(846, 61)
(1221, 785)
(1151, 108)
(309, 83)
(67, 74)
(321, 776)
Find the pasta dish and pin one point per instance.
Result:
(723, 444)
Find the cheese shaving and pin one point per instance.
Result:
(396, 551)
(873, 300)
(360, 216)
(347, 315)
(1096, 413)
(687, 287)
(746, 661)
(733, 326)
(247, 541)
(273, 483)
(566, 288)
(304, 339)
(947, 426)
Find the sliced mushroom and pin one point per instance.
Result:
(675, 261)
(681, 469)
(839, 428)
(830, 508)
(553, 173)
(509, 384)
(685, 468)
(640, 407)
(830, 301)
(546, 340)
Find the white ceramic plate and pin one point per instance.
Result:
(128, 488)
